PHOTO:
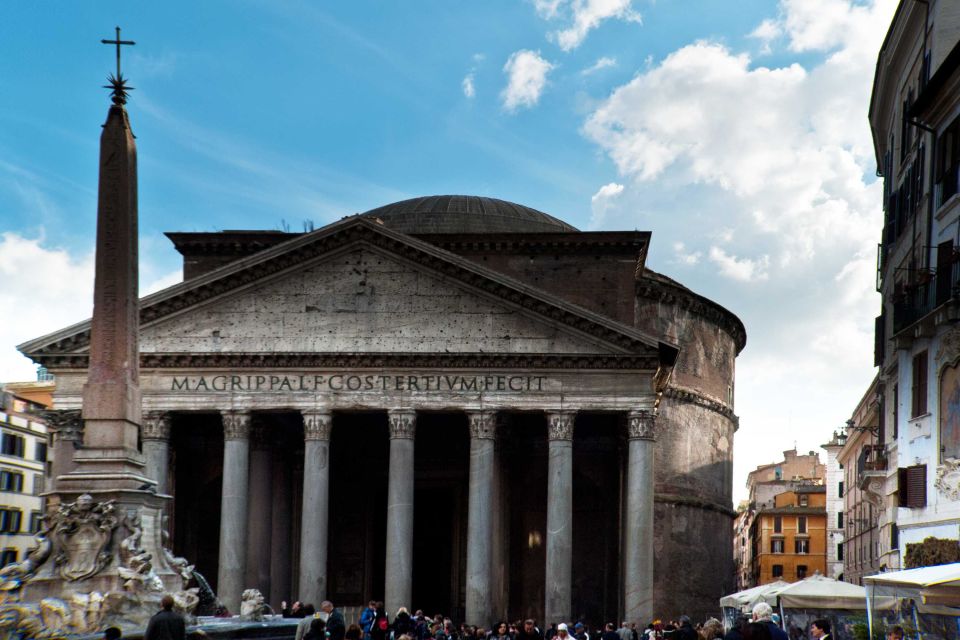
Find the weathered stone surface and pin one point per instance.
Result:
(360, 301)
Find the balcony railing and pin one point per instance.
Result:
(929, 290)
(873, 458)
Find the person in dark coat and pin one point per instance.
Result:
(381, 624)
(404, 624)
(166, 624)
(336, 626)
(686, 631)
(317, 631)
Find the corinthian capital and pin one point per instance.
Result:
(560, 425)
(316, 425)
(403, 423)
(156, 425)
(236, 424)
(66, 424)
(641, 425)
(483, 424)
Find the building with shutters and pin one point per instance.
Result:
(789, 537)
(914, 462)
(23, 462)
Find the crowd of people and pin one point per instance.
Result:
(374, 623)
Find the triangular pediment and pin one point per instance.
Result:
(355, 287)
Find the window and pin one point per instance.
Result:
(896, 411)
(919, 405)
(947, 164)
(38, 484)
(778, 571)
(40, 452)
(840, 551)
(776, 546)
(10, 520)
(35, 520)
(801, 524)
(8, 556)
(11, 445)
(777, 524)
(11, 481)
(894, 537)
(804, 500)
(912, 486)
(801, 571)
(840, 489)
(778, 474)
(839, 519)
(801, 546)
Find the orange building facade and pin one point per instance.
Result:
(790, 537)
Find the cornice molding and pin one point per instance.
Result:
(692, 397)
(359, 360)
(682, 297)
(678, 500)
(310, 246)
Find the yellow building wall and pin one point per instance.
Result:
(814, 561)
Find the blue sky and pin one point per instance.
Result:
(737, 136)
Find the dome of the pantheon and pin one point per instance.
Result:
(465, 214)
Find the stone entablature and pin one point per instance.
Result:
(424, 389)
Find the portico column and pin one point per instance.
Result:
(398, 589)
(559, 517)
(155, 436)
(480, 517)
(638, 537)
(259, 510)
(233, 508)
(316, 497)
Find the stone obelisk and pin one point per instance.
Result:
(104, 515)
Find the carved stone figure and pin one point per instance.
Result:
(137, 570)
(948, 479)
(13, 575)
(252, 606)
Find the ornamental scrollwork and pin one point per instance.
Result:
(236, 425)
(316, 425)
(82, 532)
(403, 424)
(948, 479)
(66, 424)
(641, 425)
(483, 424)
(156, 425)
(560, 425)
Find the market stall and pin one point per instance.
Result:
(925, 602)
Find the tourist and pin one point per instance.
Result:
(309, 613)
(381, 624)
(336, 626)
(317, 630)
(294, 611)
(609, 632)
(404, 624)
(528, 631)
(711, 630)
(624, 631)
(820, 629)
(367, 616)
(763, 613)
(580, 632)
(562, 632)
(112, 633)
(895, 633)
(166, 624)
(685, 630)
(354, 632)
(501, 632)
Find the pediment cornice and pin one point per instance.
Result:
(73, 341)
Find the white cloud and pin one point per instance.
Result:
(526, 78)
(586, 15)
(601, 63)
(46, 289)
(743, 269)
(772, 168)
(548, 8)
(602, 201)
(43, 290)
(685, 257)
(467, 84)
(766, 32)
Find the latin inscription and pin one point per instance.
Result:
(358, 382)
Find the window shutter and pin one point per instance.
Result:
(903, 488)
(917, 486)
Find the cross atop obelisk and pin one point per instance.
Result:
(118, 83)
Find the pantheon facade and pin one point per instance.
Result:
(451, 403)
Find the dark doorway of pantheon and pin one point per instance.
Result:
(359, 465)
(442, 467)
